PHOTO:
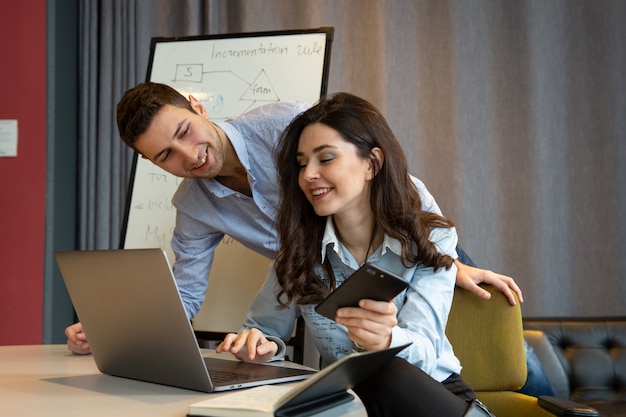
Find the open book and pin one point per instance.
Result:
(326, 389)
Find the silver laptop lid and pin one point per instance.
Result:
(133, 316)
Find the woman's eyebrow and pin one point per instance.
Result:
(317, 149)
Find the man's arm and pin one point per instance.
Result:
(468, 275)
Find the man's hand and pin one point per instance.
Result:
(469, 277)
(76, 339)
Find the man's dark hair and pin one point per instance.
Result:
(139, 106)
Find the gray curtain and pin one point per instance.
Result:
(512, 112)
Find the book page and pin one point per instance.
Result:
(262, 398)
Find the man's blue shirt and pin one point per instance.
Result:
(206, 210)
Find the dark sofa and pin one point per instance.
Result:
(584, 359)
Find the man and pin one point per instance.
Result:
(230, 185)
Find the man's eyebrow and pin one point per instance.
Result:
(178, 127)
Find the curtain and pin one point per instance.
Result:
(511, 112)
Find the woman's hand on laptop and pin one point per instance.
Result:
(248, 346)
(76, 339)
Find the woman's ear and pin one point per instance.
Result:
(377, 158)
(198, 107)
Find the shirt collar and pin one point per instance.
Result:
(330, 237)
(241, 149)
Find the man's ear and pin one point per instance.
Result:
(198, 107)
(376, 160)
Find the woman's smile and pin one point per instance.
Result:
(319, 193)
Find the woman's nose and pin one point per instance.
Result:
(310, 173)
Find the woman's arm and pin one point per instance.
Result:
(424, 309)
(266, 326)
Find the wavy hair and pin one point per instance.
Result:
(394, 199)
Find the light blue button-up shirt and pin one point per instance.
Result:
(423, 308)
(206, 210)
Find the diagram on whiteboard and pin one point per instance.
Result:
(227, 93)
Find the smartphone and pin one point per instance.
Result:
(370, 281)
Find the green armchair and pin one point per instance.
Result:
(487, 337)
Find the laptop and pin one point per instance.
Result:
(132, 313)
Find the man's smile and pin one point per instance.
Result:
(203, 160)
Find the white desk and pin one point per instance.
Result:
(47, 381)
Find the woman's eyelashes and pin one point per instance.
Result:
(326, 158)
(323, 159)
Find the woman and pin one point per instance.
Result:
(347, 198)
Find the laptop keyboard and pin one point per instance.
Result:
(226, 377)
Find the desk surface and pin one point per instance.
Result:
(46, 381)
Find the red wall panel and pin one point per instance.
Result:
(23, 178)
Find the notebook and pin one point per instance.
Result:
(132, 313)
(326, 389)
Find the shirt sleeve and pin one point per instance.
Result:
(194, 248)
(423, 315)
(428, 201)
(265, 313)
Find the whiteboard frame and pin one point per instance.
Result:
(155, 41)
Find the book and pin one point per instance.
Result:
(265, 400)
(325, 389)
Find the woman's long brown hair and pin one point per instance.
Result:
(394, 199)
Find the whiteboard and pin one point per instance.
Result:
(229, 75)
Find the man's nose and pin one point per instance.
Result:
(189, 153)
